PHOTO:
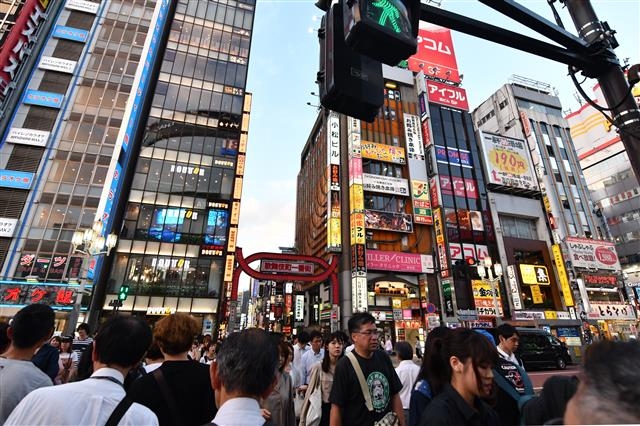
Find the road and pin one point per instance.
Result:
(539, 377)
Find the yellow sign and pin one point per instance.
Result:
(357, 228)
(229, 264)
(237, 188)
(547, 204)
(235, 213)
(535, 294)
(550, 315)
(334, 239)
(483, 298)
(562, 275)
(240, 165)
(233, 237)
(437, 225)
(534, 274)
(382, 152)
(508, 161)
(356, 198)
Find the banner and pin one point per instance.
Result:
(413, 137)
(388, 221)
(483, 298)
(508, 162)
(382, 152)
(421, 202)
(447, 95)
(399, 261)
(596, 254)
(385, 184)
(435, 56)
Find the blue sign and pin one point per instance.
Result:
(45, 99)
(70, 33)
(14, 179)
(453, 156)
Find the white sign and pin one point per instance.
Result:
(299, 307)
(7, 226)
(57, 64)
(508, 162)
(333, 130)
(83, 6)
(302, 268)
(413, 136)
(161, 311)
(586, 253)
(359, 295)
(528, 315)
(512, 282)
(385, 184)
(468, 251)
(616, 311)
(32, 137)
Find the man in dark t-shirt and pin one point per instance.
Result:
(347, 401)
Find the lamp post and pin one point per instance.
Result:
(492, 276)
(89, 243)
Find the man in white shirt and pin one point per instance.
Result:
(119, 346)
(299, 349)
(508, 342)
(312, 356)
(243, 373)
(28, 330)
(407, 371)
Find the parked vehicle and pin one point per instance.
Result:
(538, 349)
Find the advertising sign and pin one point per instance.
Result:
(534, 274)
(447, 95)
(483, 299)
(82, 6)
(421, 202)
(382, 152)
(388, 221)
(385, 184)
(359, 294)
(615, 311)
(45, 99)
(453, 156)
(562, 275)
(435, 55)
(508, 162)
(334, 235)
(413, 136)
(7, 226)
(512, 283)
(299, 307)
(447, 295)
(459, 187)
(598, 254)
(358, 260)
(57, 64)
(70, 33)
(468, 251)
(600, 280)
(357, 228)
(399, 261)
(52, 295)
(298, 268)
(31, 137)
(15, 179)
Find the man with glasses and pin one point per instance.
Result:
(347, 400)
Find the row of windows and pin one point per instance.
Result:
(381, 169)
(212, 39)
(217, 12)
(196, 101)
(518, 227)
(385, 203)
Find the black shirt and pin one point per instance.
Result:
(190, 386)
(450, 409)
(346, 392)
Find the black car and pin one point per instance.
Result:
(539, 349)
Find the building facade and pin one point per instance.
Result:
(150, 138)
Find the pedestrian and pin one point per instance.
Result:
(179, 391)
(244, 372)
(55, 342)
(428, 383)
(153, 358)
(608, 392)
(418, 348)
(299, 350)
(119, 345)
(312, 356)
(388, 346)
(322, 380)
(4, 338)
(549, 406)
(68, 361)
(508, 342)
(28, 330)
(467, 358)
(365, 385)
(85, 365)
(209, 354)
(278, 406)
(84, 339)
(407, 372)
(47, 359)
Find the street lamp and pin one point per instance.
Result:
(492, 276)
(89, 243)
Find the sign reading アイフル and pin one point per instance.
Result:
(508, 162)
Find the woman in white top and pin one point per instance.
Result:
(68, 361)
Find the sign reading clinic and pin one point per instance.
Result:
(399, 261)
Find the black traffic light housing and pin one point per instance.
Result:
(386, 30)
(349, 82)
(123, 292)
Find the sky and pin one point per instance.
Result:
(282, 69)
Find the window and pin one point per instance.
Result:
(519, 227)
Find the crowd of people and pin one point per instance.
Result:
(129, 374)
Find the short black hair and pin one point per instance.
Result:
(404, 351)
(122, 340)
(31, 325)
(84, 326)
(304, 337)
(314, 334)
(247, 362)
(358, 320)
(506, 330)
(4, 337)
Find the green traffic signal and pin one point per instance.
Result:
(123, 292)
(390, 14)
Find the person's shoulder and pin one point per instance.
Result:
(138, 414)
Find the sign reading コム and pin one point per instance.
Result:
(534, 274)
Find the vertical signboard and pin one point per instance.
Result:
(334, 234)
(562, 275)
(441, 246)
(447, 295)
(512, 282)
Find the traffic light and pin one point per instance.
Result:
(386, 30)
(123, 292)
(349, 82)
(471, 261)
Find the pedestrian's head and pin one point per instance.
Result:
(303, 338)
(404, 351)
(608, 392)
(83, 330)
(284, 354)
(316, 340)
(245, 365)
(467, 358)
(508, 337)
(31, 326)
(122, 341)
(55, 342)
(334, 344)
(363, 331)
(4, 337)
(176, 333)
(437, 378)
(154, 353)
(65, 344)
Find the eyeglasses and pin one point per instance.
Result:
(369, 332)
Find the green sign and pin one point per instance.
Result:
(391, 14)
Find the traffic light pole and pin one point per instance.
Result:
(591, 53)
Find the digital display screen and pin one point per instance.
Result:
(165, 223)
(215, 232)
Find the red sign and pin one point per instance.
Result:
(20, 39)
(600, 280)
(446, 94)
(435, 55)
(460, 187)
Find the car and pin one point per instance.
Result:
(540, 349)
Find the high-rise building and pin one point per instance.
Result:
(146, 120)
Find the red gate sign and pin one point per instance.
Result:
(448, 95)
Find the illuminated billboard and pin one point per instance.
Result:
(435, 56)
(508, 161)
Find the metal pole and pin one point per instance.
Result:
(613, 83)
(493, 282)
(72, 321)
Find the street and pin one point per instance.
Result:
(539, 377)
